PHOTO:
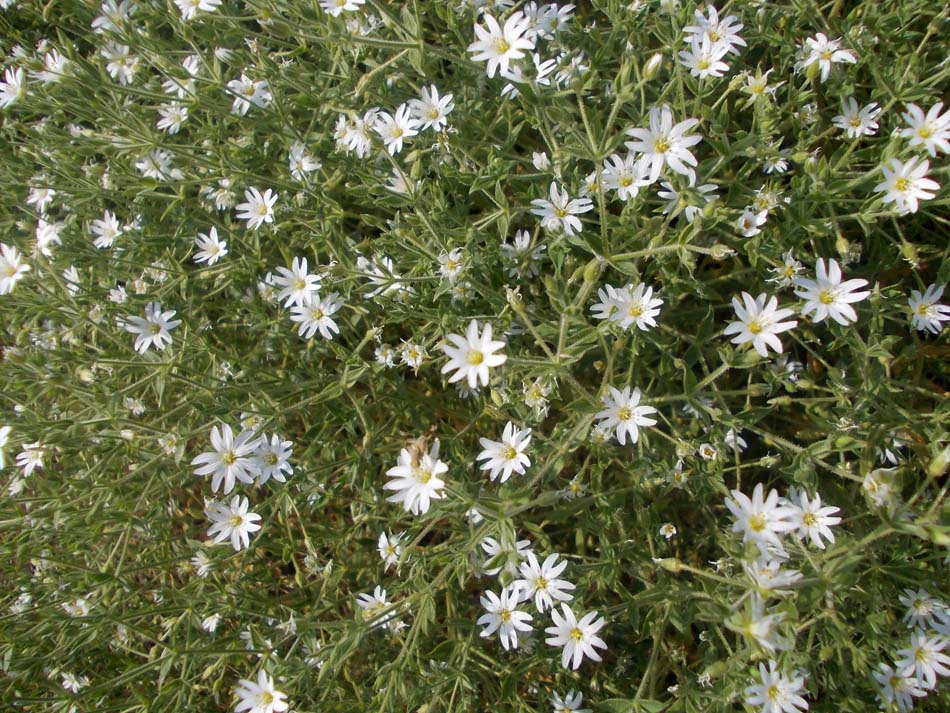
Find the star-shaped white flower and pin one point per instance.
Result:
(471, 356)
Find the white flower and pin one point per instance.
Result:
(786, 273)
(247, 92)
(12, 268)
(924, 659)
(906, 183)
(231, 458)
(335, 8)
(389, 547)
(74, 684)
(121, 64)
(381, 274)
(922, 608)
(571, 703)
(723, 33)
(30, 458)
(704, 57)
(665, 144)
(374, 612)
(898, 687)
(13, 88)
(522, 258)
(190, 8)
(171, 117)
(857, 122)
(925, 313)
(272, 459)
(471, 356)
(432, 111)
(413, 354)
(506, 457)
(232, 522)
(500, 45)
(4, 436)
(813, 520)
(259, 697)
(502, 615)
(624, 415)
(828, 296)
(210, 247)
(40, 197)
(210, 623)
(415, 478)
(625, 175)
(298, 286)
(152, 330)
(750, 222)
(560, 212)
(825, 52)
(258, 208)
(542, 581)
(690, 201)
(451, 264)
(113, 15)
(578, 637)
(540, 160)
(636, 305)
(54, 68)
(931, 130)
(157, 164)
(762, 519)
(317, 315)
(395, 128)
(504, 555)
(776, 693)
(301, 162)
(106, 230)
(759, 322)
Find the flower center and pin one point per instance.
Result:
(397, 132)
(809, 519)
(902, 184)
(924, 132)
(154, 329)
(267, 698)
(755, 327)
(661, 145)
(757, 523)
(229, 458)
(577, 634)
(826, 297)
(635, 310)
(272, 459)
(626, 181)
(827, 54)
(624, 413)
(509, 453)
(773, 692)
(502, 46)
(541, 583)
(504, 615)
(923, 310)
(262, 209)
(424, 475)
(702, 64)
(433, 113)
(855, 122)
(475, 357)
(235, 520)
(560, 212)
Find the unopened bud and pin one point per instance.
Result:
(652, 66)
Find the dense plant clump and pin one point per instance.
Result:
(364, 355)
